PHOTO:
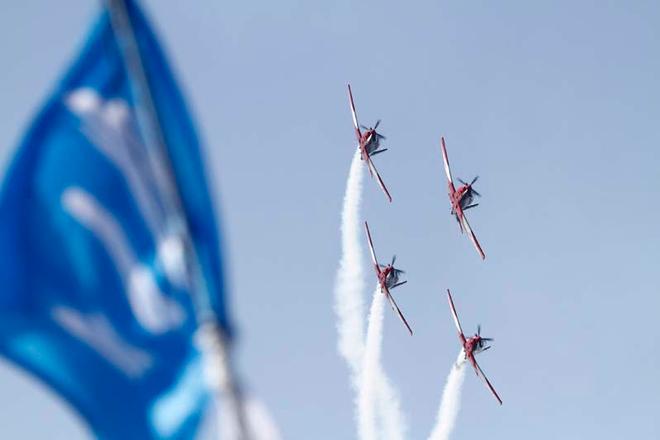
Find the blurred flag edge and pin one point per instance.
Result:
(97, 291)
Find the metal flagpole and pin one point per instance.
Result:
(217, 346)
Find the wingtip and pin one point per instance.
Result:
(386, 192)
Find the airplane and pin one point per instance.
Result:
(461, 200)
(369, 144)
(472, 345)
(388, 278)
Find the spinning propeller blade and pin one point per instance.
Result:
(377, 123)
(469, 185)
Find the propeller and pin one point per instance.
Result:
(482, 340)
(397, 271)
(469, 185)
(378, 135)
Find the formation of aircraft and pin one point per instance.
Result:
(461, 199)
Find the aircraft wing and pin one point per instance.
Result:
(374, 172)
(354, 114)
(480, 373)
(371, 247)
(461, 336)
(470, 233)
(445, 159)
(358, 133)
(396, 309)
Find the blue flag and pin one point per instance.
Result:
(97, 229)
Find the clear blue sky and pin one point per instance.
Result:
(555, 104)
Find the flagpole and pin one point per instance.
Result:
(159, 159)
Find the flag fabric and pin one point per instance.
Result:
(96, 298)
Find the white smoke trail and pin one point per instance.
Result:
(389, 406)
(371, 370)
(349, 304)
(451, 401)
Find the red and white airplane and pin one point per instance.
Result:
(471, 346)
(461, 200)
(388, 278)
(369, 144)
